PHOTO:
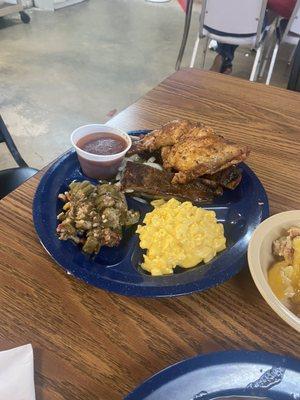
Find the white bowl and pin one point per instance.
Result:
(260, 258)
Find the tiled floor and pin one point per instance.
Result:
(75, 65)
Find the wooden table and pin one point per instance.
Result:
(89, 344)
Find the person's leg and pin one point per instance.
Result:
(223, 61)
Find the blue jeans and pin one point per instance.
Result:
(227, 52)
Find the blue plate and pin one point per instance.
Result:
(117, 269)
(230, 373)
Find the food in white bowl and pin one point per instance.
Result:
(284, 273)
(262, 260)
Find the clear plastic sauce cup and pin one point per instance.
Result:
(98, 166)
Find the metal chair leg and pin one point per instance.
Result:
(266, 59)
(186, 29)
(195, 50)
(5, 136)
(205, 51)
(269, 43)
(256, 64)
(273, 59)
(292, 56)
(259, 62)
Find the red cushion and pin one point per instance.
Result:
(284, 8)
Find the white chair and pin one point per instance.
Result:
(291, 35)
(237, 22)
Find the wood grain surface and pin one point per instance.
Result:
(89, 344)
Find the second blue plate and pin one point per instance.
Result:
(225, 375)
(117, 269)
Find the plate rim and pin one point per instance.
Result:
(208, 358)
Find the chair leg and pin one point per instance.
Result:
(266, 58)
(205, 51)
(196, 45)
(269, 49)
(292, 56)
(10, 144)
(273, 59)
(259, 62)
(187, 24)
(256, 64)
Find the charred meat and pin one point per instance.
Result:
(150, 182)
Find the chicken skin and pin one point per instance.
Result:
(191, 150)
(169, 134)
